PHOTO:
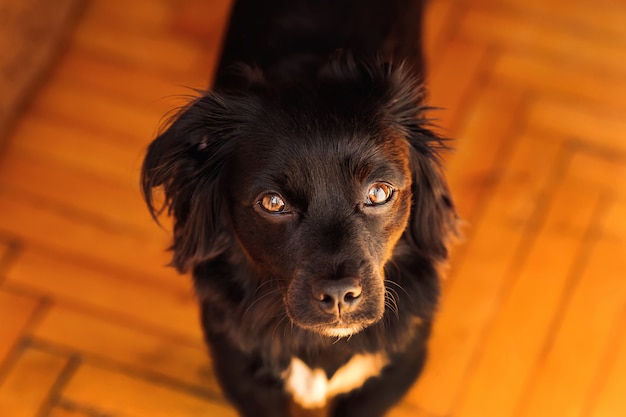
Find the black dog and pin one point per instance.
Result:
(309, 205)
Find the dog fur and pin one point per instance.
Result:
(309, 205)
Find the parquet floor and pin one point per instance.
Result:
(533, 321)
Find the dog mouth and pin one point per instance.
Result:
(311, 317)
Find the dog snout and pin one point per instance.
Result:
(337, 297)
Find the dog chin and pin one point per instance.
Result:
(340, 331)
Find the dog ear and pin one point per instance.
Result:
(186, 161)
(434, 220)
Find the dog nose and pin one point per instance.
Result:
(337, 296)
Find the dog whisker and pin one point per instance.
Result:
(279, 323)
(269, 293)
(391, 303)
(390, 281)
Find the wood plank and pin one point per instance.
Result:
(548, 74)
(604, 19)
(16, 311)
(603, 171)
(407, 410)
(117, 342)
(607, 397)
(602, 127)
(616, 217)
(4, 252)
(507, 30)
(117, 205)
(471, 297)
(72, 103)
(124, 396)
(28, 384)
(146, 15)
(485, 135)
(436, 28)
(610, 401)
(202, 20)
(111, 291)
(79, 148)
(145, 87)
(162, 51)
(524, 322)
(69, 412)
(57, 229)
(448, 86)
(564, 380)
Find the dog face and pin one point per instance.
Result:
(311, 186)
(319, 208)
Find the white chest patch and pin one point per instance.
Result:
(312, 389)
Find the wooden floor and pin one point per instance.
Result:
(533, 322)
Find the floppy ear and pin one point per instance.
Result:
(186, 161)
(433, 219)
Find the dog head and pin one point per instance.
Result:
(310, 185)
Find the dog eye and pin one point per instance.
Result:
(379, 193)
(272, 203)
